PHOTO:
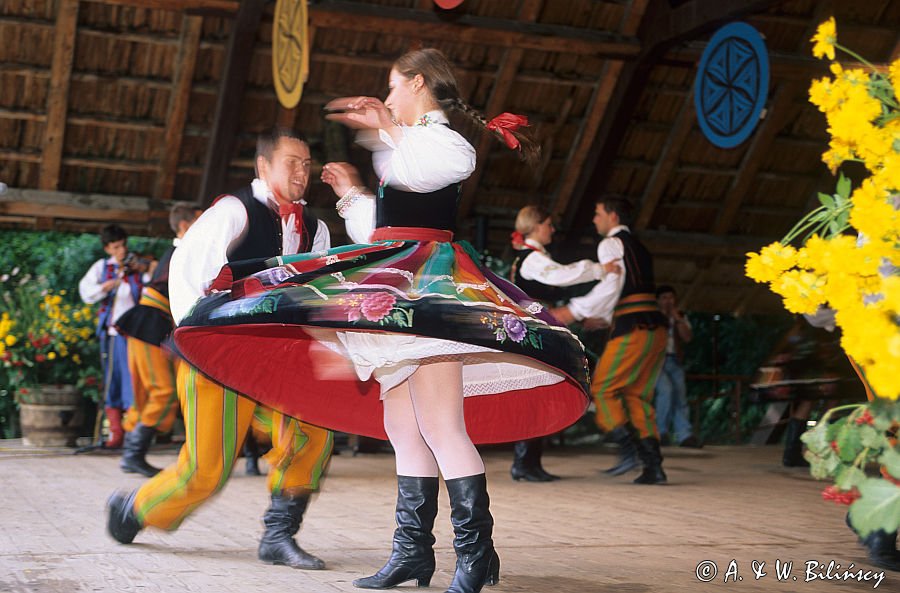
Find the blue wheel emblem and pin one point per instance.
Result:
(732, 84)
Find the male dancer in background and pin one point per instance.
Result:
(626, 372)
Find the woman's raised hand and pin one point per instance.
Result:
(341, 177)
(360, 113)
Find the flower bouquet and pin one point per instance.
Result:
(845, 256)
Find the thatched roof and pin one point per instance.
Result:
(111, 108)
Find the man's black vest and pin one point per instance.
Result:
(640, 313)
(263, 237)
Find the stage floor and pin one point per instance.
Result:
(736, 507)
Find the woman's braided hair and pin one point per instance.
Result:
(437, 72)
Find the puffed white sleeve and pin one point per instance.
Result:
(542, 268)
(90, 287)
(359, 216)
(322, 240)
(602, 299)
(425, 159)
(202, 252)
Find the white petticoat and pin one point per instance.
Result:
(392, 358)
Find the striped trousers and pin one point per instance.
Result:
(155, 401)
(625, 378)
(216, 420)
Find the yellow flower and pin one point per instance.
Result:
(11, 340)
(76, 359)
(51, 355)
(824, 39)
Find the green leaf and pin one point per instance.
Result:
(826, 200)
(877, 508)
(849, 477)
(872, 438)
(848, 442)
(843, 186)
(817, 439)
(890, 459)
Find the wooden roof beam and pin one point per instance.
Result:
(776, 117)
(506, 74)
(239, 54)
(668, 158)
(58, 93)
(598, 108)
(191, 27)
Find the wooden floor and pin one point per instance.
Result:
(725, 509)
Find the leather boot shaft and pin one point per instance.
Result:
(477, 564)
(651, 456)
(134, 451)
(628, 454)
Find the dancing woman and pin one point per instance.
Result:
(457, 354)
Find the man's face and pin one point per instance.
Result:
(604, 221)
(117, 250)
(666, 302)
(287, 174)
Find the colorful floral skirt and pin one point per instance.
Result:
(320, 336)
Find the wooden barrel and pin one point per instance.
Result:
(50, 416)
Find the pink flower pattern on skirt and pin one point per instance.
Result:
(376, 305)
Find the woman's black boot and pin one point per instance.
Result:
(477, 564)
(413, 553)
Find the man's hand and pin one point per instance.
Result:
(612, 267)
(341, 177)
(592, 324)
(563, 315)
(109, 285)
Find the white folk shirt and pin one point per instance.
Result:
(90, 288)
(428, 157)
(540, 267)
(204, 247)
(601, 300)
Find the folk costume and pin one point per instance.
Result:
(411, 295)
(405, 296)
(534, 271)
(113, 346)
(241, 226)
(152, 369)
(626, 373)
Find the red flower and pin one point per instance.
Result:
(90, 381)
(39, 358)
(865, 418)
(840, 496)
(23, 390)
(834, 447)
(377, 305)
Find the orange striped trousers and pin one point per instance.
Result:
(216, 420)
(153, 383)
(624, 380)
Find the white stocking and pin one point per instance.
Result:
(413, 457)
(437, 400)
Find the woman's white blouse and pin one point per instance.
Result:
(428, 157)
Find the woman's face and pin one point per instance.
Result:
(543, 232)
(404, 97)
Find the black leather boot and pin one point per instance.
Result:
(477, 563)
(413, 552)
(651, 457)
(251, 455)
(282, 521)
(793, 446)
(137, 443)
(881, 547)
(122, 524)
(527, 462)
(628, 460)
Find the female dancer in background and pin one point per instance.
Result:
(458, 354)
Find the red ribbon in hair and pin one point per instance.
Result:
(506, 123)
(517, 238)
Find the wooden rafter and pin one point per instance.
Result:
(225, 6)
(58, 95)
(668, 158)
(597, 109)
(225, 124)
(776, 117)
(506, 74)
(671, 25)
(45, 204)
(191, 27)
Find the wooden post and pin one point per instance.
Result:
(58, 95)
